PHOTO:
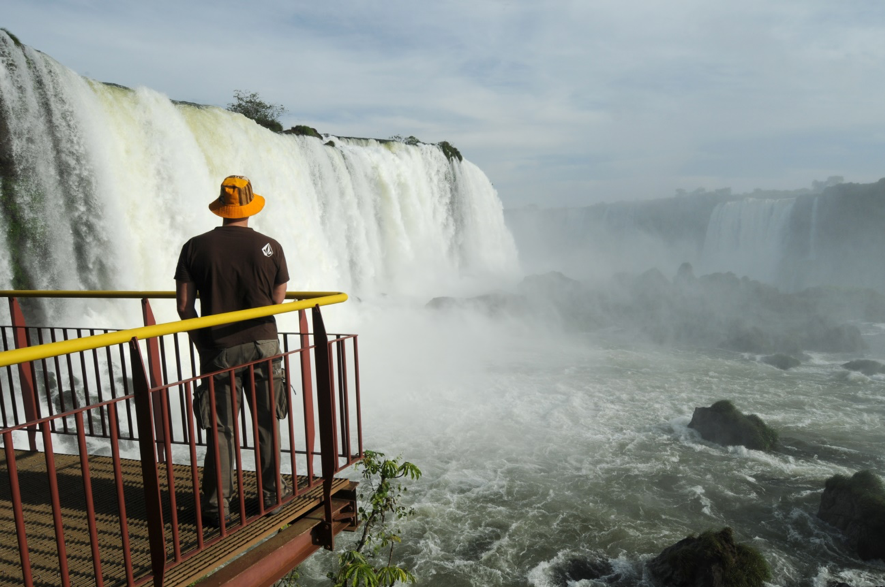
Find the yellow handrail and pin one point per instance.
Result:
(36, 353)
(117, 294)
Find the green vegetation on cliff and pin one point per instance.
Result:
(450, 151)
(304, 131)
(250, 105)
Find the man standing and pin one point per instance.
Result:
(235, 268)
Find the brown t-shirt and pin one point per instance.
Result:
(234, 268)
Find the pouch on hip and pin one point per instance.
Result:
(270, 348)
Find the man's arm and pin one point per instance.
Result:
(279, 293)
(185, 298)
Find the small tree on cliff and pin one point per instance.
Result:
(250, 105)
(369, 562)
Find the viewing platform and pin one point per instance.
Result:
(102, 456)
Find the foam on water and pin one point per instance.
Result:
(537, 447)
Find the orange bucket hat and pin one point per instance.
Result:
(237, 200)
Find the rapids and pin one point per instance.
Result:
(539, 448)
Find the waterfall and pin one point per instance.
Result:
(747, 237)
(101, 185)
(812, 232)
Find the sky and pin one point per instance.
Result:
(561, 103)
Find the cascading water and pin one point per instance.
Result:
(747, 237)
(102, 185)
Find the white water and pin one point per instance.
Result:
(113, 182)
(535, 445)
(747, 237)
(554, 446)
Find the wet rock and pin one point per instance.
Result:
(709, 560)
(781, 361)
(578, 568)
(747, 340)
(866, 366)
(820, 335)
(856, 506)
(304, 131)
(724, 424)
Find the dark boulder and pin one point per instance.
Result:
(579, 568)
(710, 560)
(856, 506)
(724, 424)
(781, 361)
(866, 366)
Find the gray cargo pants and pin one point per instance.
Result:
(267, 415)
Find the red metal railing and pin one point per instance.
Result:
(133, 402)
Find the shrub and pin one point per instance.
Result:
(250, 105)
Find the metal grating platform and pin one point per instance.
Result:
(41, 533)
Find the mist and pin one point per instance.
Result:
(540, 367)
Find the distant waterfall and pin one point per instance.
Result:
(100, 186)
(748, 237)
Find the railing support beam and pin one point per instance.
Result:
(26, 379)
(328, 432)
(307, 391)
(149, 473)
(153, 345)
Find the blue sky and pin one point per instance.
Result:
(559, 102)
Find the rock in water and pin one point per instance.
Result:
(866, 366)
(857, 507)
(576, 568)
(710, 560)
(723, 424)
(781, 361)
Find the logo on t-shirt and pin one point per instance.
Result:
(267, 250)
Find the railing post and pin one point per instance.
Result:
(307, 391)
(149, 473)
(26, 381)
(328, 432)
(153, 345)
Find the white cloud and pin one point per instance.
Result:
(559, 102)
